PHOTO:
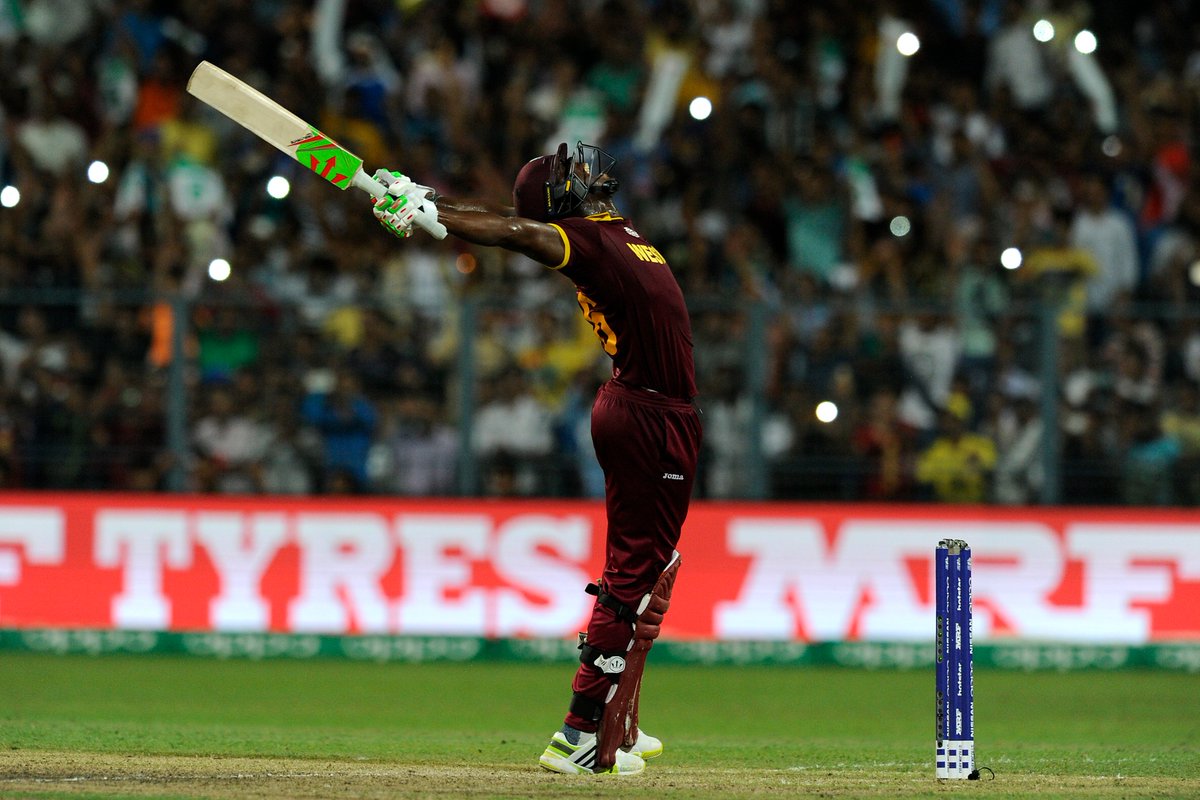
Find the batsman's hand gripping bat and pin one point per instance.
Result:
(273, 123)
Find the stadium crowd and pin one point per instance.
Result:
(890, 234)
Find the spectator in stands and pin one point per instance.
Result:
(1109, 236)
(50, 141)
(346, 421)
(513, 437)
(230, 445)
(726, 446)
(1181, 422)
(1175, 252)
(980, 297)
(1149, 456)
(957, 466)
(293, 453)
(818, 220)
(1016, 65)
(423, 449)
(1019, 473)
(931, 347)
(884, 449)
(227, 344)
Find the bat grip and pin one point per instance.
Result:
(377, 190)
(434, 228)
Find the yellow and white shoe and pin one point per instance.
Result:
(580, 759)
(646, 746)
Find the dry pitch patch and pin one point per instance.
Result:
(49, 774)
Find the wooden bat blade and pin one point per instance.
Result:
(274, 124)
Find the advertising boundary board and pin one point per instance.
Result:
(791, 576)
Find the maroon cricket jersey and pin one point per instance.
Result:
(630, 296)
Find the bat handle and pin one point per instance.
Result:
(377, 190)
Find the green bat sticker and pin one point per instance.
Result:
(327, 158)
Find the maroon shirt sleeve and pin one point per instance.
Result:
(628, 293)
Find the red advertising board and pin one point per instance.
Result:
(517, 569)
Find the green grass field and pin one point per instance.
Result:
(170, 726)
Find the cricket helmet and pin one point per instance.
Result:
(554, 186)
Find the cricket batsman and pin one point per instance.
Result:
(645, 430)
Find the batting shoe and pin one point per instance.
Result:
(646, 746)
(580, 759)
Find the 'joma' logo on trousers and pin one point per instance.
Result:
(672, 476)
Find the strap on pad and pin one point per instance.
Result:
(611, 664)
(611, 603)
(586, 707)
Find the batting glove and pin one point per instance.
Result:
(398, 183)
(397, 214)
(406, 202)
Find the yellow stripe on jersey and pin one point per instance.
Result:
(604, 216)
(566, 246)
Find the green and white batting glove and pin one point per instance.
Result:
(397, 214)
(406, 202)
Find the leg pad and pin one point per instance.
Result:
(619, 722)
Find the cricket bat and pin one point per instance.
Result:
(273, 123)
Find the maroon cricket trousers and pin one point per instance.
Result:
(647, 444)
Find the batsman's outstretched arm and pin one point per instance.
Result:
(475, 221)
(541, 242)
(460, 204)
